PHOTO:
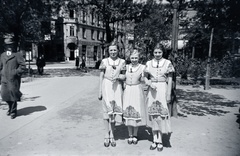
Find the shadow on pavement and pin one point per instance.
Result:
(203, 103)
(29, 110)
(121, 133)
(238, 120)
(29, 98)
(144, 133)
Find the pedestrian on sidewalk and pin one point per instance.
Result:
(77, 62)
(110, 91)
(83, 64)
(40, 64)
(159, 72)
(12, 66)
(134, 110)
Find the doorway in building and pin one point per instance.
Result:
(72, 47)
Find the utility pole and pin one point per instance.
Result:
(207, 80)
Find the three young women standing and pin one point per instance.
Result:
(158, 76)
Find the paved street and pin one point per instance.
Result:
(61, 116)
(59, 65)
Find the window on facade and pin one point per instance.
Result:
(103, 35)
(92, 34)
(93, 17)
(71, 30)
(71, 13)
(95, 53)
(84, 19)
(84, 47)
(84, 33)
(98, 20)
(98, 35)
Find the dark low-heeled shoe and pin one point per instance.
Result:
(153, 147)
(13, 115)
(159, 147)
(113, 142)
(106, 142)
(130, 140)
(135, 140)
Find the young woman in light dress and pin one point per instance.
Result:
(111, 91)
(159, 73)
(134, 110)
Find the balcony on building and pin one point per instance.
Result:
(70, 20)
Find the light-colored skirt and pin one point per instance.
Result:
(112, 98)
(134, 107)
(158, 112)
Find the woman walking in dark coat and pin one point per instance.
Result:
(12, 65)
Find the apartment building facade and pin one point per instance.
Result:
(79, 31)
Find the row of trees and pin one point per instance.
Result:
(222, 16)
(23, 18)
(153, 21)
(26, 18)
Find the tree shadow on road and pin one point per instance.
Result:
(202, 103)
(29, 110)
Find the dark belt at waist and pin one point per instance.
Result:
(158, 81)
(132, 84)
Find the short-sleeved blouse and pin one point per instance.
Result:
(112, 67)
(159, 70)
(133, 74)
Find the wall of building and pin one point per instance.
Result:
(88, 35)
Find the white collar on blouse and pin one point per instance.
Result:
(159, 63)
(113, 62)
(132, 68)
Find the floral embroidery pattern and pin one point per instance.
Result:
(157, 109)
(114, 107)
(130, 112)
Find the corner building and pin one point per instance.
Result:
(78, 31)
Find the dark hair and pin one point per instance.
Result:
(7, 46)
(165, 52)
(159, 46)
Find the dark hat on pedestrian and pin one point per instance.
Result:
(8, 39)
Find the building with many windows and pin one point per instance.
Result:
(78, 31)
